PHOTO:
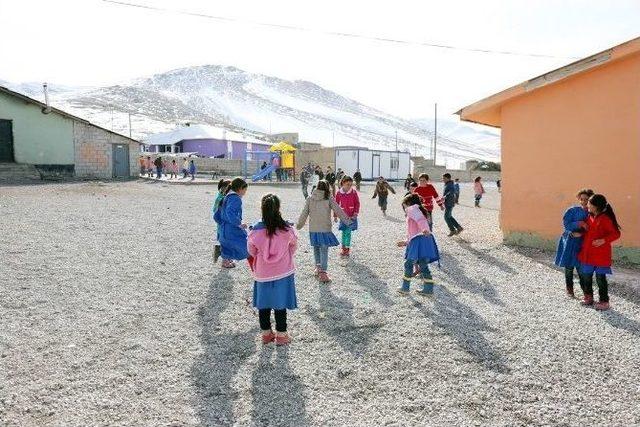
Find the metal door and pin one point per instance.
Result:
(6, 141)
(375, 166)
(121, 161)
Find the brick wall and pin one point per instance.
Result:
(93, 149)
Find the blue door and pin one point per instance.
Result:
(121, 161)
(6, 141)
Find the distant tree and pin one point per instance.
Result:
(487, 166)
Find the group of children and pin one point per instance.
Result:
(585, 246)
(269, 246)
(163, 167)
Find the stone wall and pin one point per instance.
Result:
(93, 149)
(322, 156)
(422, 165)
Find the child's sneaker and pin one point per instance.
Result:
(347, 251)
(323, 277)
(283, 339)
(216, 253)
(587, 300)
(268, 337)
(602, 306)
(228, 264)
(344, 251)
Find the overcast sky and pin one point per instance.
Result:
(91, 42)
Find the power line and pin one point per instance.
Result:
(335, 33)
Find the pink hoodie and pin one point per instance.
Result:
(273, 254)
(416, 222)
(349, 202)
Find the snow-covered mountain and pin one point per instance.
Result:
(258, 105)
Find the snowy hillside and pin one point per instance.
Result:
(259, 104)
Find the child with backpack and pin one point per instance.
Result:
(382, 192)
(569, 244)
(596, 252)
(421, 247)
(272, 244)
(231, 230)
(347, 198)
(318, 208)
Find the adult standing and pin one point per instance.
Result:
(449, 196)
(357, 178)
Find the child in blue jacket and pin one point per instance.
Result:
(232, 232)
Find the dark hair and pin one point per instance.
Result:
(447, 175)
(324, 186)
(414, 199)
(457, 179)
(346, 178)
(238, 184)
(477, 179)
(600, 202)
(423, 175)
(413, 184)
(223, 184)
(271, 216)
(586, 191)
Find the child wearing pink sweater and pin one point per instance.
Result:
(421, 246)
(347, 198)
(272, 243)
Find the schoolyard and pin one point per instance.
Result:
(112, 313)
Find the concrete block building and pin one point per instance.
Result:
(54, 141)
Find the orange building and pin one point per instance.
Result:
(574, 127)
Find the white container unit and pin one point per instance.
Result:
(373, 163)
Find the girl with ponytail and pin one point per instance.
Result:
(596, 253)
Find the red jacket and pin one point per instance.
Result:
(599, 227)
(349, 202)
(428, 194)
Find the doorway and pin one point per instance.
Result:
(121, 161)
(6, 141)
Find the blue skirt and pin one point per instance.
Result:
(567, 250)
(422, 247)
(326, 238)
(590, 269)
(354, 225)
(277, 294)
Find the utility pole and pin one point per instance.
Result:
(435, 134)
(129, 125)
(396, 140)
(333, 139)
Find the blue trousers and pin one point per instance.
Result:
(425, 273)
(321, 256)
(450, 220)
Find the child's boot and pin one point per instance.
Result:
(343, 252)
(406, 283)
(227, 263)
(282, 338)
(427, 287)
(348, 251)
(587, 300)
(268, 336)
(323, 277)
(602, 306)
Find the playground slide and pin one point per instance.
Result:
(264, 172)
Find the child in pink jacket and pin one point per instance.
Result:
(347, 198)
(420, 243)
(272, 243)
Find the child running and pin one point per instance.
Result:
(478, 189)
(347, 198)
(272, 244)
(231, 231)
(382, 192)
(595, 255)
(421, 246)
(429, 195)
(318, 208)
(223, 187)
(569, 244)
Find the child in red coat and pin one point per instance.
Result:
(595, 255)
(429, 195)
(347, 198)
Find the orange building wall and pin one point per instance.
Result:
(583, 131)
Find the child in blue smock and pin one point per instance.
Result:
(570, 242)
(223, 186)
(232, 232)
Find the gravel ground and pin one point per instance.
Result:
(113, 313)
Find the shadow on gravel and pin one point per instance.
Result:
(335, 317)
(453, 269)
(370, 282)
(224, 354)
(620, 321)
(466, 327)
(394, 219)
(483, 255)
(277, 392)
